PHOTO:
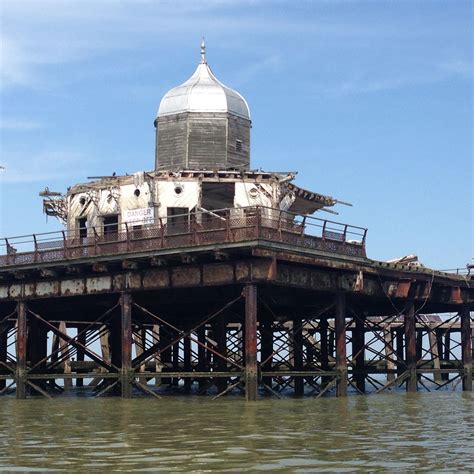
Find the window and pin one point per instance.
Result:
(82, 226)
(111, 227)
(178, 220)
(238, 145)
(137, 232)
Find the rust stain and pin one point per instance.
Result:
(403, 288)
(185, 276)
(218, 273)
(156, 279)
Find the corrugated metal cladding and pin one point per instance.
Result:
(202, 141)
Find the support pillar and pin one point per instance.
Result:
(251, 342)
(20, 378)
(64, 350)
(358, 350)
(202, 356)
(434, 351)
(36, 351)
(419, 346)
(220, 335)
(126, 337)
(3, 352)
(176, 368)
(466, 348)
(410, 347)
(341, 361)
(266, 334)
(323, 333)
(400, 351)
(155, 339)
(187, 363)
(389, 354)
(80, 354)
(298, 355)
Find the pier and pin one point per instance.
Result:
(256, 303)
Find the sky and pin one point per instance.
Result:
(370, 101)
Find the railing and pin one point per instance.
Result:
(187, 230)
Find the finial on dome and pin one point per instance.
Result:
(203, 51)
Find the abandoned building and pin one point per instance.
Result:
(207, 275)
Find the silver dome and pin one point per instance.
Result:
(203, 92)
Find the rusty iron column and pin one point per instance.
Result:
(21, 350)
(220, 336)
(323, 334)
(36, 348)
(175, 355)
(126, 335)
(400, 351)
(358, 353)
(251, 375)
(466, 348)
(187, 363)
(202, 357)
(81, 338)
(3, 352)
(298, 355)
(410, 346)
(266, 334)
(341, 361)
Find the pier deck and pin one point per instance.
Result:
(251, 305)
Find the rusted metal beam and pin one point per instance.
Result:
(298, 355)
(126, 335)
(220, 334)
(266, 335)
(341, 360)
(3, 352)
(410, 347)
(323, 334)
(251, 382)
(358, 352)
(466, 348)
(65, 356)
(21, 336)
(201, 335)
(187, 362)
(81, 337)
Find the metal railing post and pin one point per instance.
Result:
(36, 248)
(64, 244)
(128, 236)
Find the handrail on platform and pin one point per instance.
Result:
(199, 227)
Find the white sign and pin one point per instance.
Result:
(144, 215)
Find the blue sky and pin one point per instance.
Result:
(371, 101)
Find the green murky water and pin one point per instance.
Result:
(425, 431)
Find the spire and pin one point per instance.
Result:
(203, 51)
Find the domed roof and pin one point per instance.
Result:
(203, 92)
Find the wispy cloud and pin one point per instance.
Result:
(42, 167)
(432, 74)
(18, 125)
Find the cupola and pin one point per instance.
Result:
(203, 124)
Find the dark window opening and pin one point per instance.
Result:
(136, 192)
(82, 225)
(178, 220)
(217, 195)
(137, 231)
(238, 145)
(111, 227)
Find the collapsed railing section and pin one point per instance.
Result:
(193, 229)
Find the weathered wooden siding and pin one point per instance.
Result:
(202, 141)
(171, 142)
(239, 129)
(207, 138)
